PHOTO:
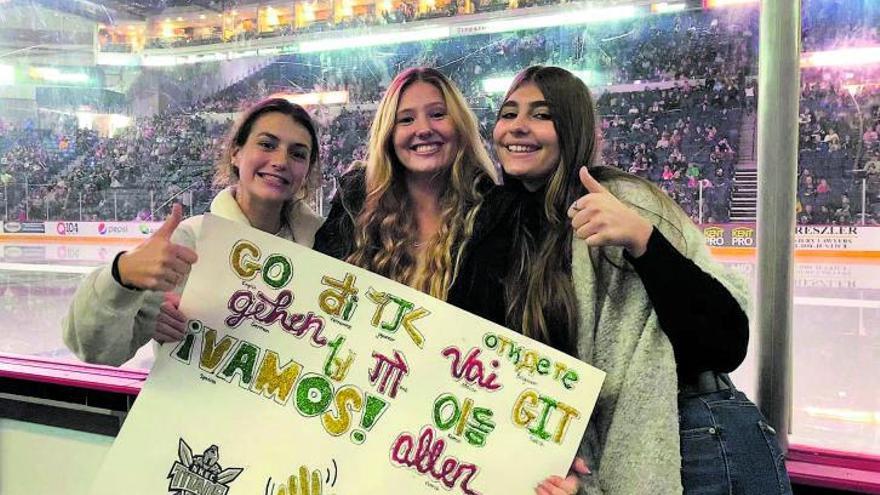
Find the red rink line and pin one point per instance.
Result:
(835, 469)
(79, 375)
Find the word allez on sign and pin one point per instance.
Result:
(424, 455)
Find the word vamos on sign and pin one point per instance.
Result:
(264, 373)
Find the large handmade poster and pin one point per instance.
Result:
(304, 375)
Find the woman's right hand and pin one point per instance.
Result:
(603, 220)
(170, 322)
(556, 485)
(157, 263)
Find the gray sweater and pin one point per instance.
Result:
(632, 442)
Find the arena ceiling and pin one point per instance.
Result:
(112, 11)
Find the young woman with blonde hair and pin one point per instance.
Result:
(425, 207)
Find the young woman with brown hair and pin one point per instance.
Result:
(613, 272)
(269, 164)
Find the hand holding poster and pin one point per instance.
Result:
(303, 374)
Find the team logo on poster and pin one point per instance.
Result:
(200, 474)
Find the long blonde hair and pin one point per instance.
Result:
(386, 233)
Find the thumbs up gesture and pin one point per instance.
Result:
(157, 263)
(602, 220)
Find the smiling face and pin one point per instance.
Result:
(425, 138)
(524, 137)
(274, 161)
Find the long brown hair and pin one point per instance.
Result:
(226, 173)
(385, 234)
(540, 293)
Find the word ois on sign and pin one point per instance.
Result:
(474, 424)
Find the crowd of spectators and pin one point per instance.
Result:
(839, 132)
(84, 176)
(836, 24)
(824, 37)
(679, 138)
(658, 48)
(34, 155)
(684, 136)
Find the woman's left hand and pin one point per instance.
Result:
(602, 220)
(555, 485)
(170, 322)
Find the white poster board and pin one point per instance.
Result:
(303, 369)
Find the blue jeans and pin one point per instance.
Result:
(728, 448)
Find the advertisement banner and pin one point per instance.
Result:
(841, 238)
(24, 228)
(124, 230)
